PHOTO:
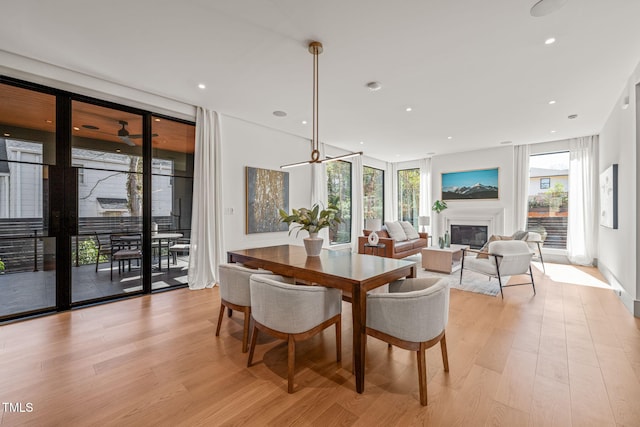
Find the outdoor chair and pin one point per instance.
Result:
(125, 248)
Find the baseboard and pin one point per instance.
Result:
(629, 302)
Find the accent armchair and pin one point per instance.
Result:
(505, 258)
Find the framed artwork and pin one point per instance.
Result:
(267, 192)
(477, 184)
(609, 197)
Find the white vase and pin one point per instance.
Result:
(313, 244)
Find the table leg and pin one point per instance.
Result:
(358, 312)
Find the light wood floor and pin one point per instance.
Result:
(569, 356)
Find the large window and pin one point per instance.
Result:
(409, 195)
(339, 194)
(549, 197)
(373, 184)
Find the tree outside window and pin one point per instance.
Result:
(339, 194)
(409, 195)
(373, 189)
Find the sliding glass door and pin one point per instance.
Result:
(95, 200)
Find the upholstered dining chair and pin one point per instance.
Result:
(235, 294)
(505, 258)
(292, 313)
(412, 316)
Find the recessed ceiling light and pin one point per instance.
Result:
(304, 122)
(279, 113)
(361, 142)
(408, 109)
(550, 40)
(374, 86)
(118, 150)
(76, 128)
(7, 134)
(156, 119)
(573, 116)
(449, 137)
(545, 7)
(48, 121)
(506, 142)
(553, 131)
(202, 86)
(552, 102)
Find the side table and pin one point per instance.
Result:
(445, 260)
(375, 247)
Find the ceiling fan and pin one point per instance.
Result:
(123, 134)
(126, 137)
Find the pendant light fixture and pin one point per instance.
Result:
(315, 48)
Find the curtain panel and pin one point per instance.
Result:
(207, 246)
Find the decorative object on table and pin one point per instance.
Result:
(447, 239)
(609, 197)
(439, 206)
(267, 190)
(441, 242)
(312, 220)
(373, 238)
(470, 185)
(424, 221)
(315, 48)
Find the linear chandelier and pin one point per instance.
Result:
(315, 48)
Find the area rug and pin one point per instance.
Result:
(471, 281)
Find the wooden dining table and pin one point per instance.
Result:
(354, 274)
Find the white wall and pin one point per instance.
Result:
(500, 157)
(618, 249)
(248, 144)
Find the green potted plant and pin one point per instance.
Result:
(439, 206)
(1, 266)
(312, 220)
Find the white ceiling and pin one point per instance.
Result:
(477, 71)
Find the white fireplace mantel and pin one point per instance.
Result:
(493, 219)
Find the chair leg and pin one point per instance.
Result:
(254, 338)
(245, 331)
(97, 259)
(220, 319)
(445, 356)
(532, 284)
(422, 374)
(291, 362)
(499, 278)
(338, 340)
(111, 269)
(544, 270)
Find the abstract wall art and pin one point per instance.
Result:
(267, 191)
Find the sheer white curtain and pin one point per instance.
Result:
(357, 199)
(521, 186)
(206, 245)
(425, 173)
(582, 230)
(391, 188)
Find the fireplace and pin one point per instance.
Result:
(473, 235)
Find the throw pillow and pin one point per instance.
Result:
(396, 231)
(409, 230)
(520, 235)
(484, 251)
